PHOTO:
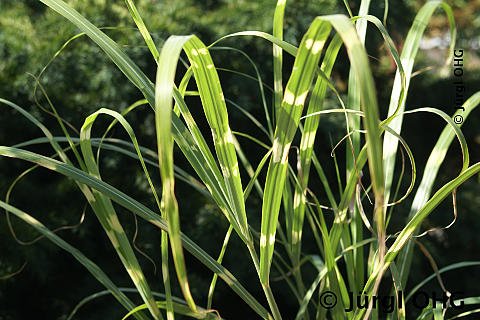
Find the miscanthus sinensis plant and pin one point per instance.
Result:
(346, 232)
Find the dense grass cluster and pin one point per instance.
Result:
(355, 246)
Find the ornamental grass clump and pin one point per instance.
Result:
(356, 249)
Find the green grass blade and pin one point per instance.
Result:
(306, 145)
(397, 104)
(288, 119)
(204, 164)
(167, 66)
(408, 231)
(353, 101)
(219, 260)
(278, 57)
(196, 157)
(258, 79)
(254, 178)
(124, 63)
(142, 28)
(432, 166)
(215, 110)
(109, 220)
(308, 295)
(359, 60)
(111, 144)
(246, 164)
(100, 210)
(369, 106)
(87, 263)
(142, 211)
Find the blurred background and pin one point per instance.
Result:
(82, 79)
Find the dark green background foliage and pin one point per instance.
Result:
(82, 79)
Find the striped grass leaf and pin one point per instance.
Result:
(213, 102)
(306, 145)
(142, 211)
(206, 170)
(78, 255)
(295, 95)
(278, 57)
(167, 66)
(336, 282)
(305, 155)
(358, 58)
(225, 186)
(102, 209)
(108, 218)
(197, 157)
(124, 147)
(359, 63)
(142, 28)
